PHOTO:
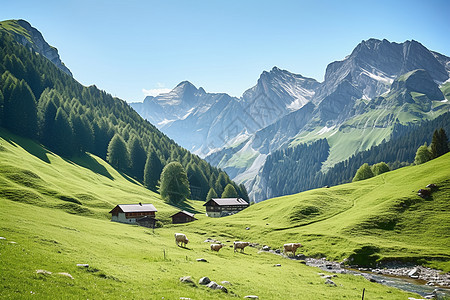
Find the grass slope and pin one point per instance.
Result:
(378, 219)
(46, 228)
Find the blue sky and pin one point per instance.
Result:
(131, 48)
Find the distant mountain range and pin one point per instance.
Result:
(379, 84)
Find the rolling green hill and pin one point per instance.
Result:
(53, 214)
(378, 219)
(56, 210)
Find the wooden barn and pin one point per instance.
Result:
(216, 208)
(182, 217)
(130, 213)
(147, 221)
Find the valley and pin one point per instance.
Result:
(131, 261)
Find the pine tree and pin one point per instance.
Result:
(174, 183)
(118, 153)
(229, 192)
(423, 155)
(21, 111)
(63, 134)
(221, 182)
(1, 107)
(211, 194)
(364, 172)
(444, 140)
(152, 171)
(436, 145)
(243, 193)
(138, 158)
(83, 133)
(48, 123)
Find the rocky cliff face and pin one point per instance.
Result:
(30, 37)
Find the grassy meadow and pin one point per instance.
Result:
(54, 215)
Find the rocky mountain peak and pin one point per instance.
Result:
(30, 37)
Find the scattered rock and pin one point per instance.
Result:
(184, 298)
(204, 281)
(265, 248)
(278, 251)
(300, 256)
(321, 274)
(424, 193)
(277, 265)
(2, 238)
(187, 279)
(210, 240)
(431, 186)
(302, 262)
(12, 242)
(65, 274)
(83, 265)
(226, 282)
(327, 276)
(44, 272)
(414, 272)
(202, 260)
(251, 297)
(247, 228)
(330, 282)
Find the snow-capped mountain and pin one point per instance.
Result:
(285, 109)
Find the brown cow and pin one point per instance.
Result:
(291, 247)
(216, 247)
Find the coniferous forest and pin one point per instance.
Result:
(39, 101)
(298, 169)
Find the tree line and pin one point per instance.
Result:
(39, 101)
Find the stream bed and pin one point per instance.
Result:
(414, 285)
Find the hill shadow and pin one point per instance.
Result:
(86, 161)
(28, 145)
(186, 206)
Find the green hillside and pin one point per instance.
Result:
(381, 217)
(53, 214)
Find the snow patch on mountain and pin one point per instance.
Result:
(379, 77)
(325, 129)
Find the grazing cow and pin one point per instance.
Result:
(240, 245)
(216, 247)
(291, 247)
(181, 238)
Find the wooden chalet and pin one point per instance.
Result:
(182, 217)
(217, 207)
(130, 213)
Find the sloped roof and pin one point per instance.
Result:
(126, 208)
(184, 212)
(227, 201)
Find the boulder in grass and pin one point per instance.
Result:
(66, 275)
(330, 282)
(43, 272)
(251, 297)
(187, 279)
(204, 281)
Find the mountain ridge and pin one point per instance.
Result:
(32, 38)
(274, 113)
